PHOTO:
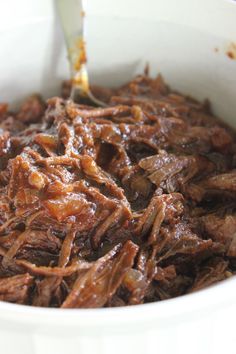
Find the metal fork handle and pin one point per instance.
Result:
(71, 16)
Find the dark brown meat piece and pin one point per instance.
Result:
(214, 271)
(222, 185)
(16, 288)
(170, 171)
(222, 229)
(96, 287)
(32, 110)
(115, 206)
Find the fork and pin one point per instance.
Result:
(71, 16)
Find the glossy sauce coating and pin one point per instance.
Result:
(115, 206)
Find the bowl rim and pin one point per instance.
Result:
(218, 296)
(214, 298)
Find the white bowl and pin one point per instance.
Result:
(187, 41)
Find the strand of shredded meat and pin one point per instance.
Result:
(127, 204)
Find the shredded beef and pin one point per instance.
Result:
(115, 206)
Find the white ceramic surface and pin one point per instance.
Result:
(187, 41)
